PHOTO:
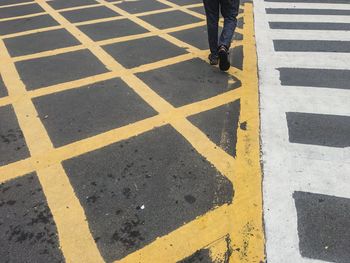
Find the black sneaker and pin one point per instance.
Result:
(224, 64)
(213, 59)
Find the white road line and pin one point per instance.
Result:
(310, 34)
(311, 100)
(326, 60)
(306, 5)
(308, 18)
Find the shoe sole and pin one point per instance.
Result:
(224, 64)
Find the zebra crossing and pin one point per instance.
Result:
(304, 76)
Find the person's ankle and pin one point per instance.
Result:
(223, 48)
(213, 59)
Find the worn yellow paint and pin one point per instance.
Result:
(247, 232)
(185, 240)
(241, 221)
(219, 251)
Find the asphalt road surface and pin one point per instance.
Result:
(119, 142)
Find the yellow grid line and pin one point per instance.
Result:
(65, 207)
(21, 17)
(107, 41)
(182, 8)
(109, 75)
(18, 4)
(101, 140)
(65, 86)
(244, 216)
(99, 20)
(159, 11)
(217, 156)
(74, 8)
(28, 32)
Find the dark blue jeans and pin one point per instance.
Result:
(229, 11)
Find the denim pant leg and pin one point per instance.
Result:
(229, 10)
(212, 13)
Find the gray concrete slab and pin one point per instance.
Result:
(170, 19)
(143, 51)
(37, 73)
(12, 144)
(24, 24)
(87, 14)
(312, 46)
(323, 226)
(60, 4)
(39, 42)
(321, 78)
(319, 129)
(141, 6)
(310, 26)
(3, 89)
(112, 29)
(27, 230)
(220, 125)
(80, 113)
(136, 190)
(188, 81)
(20, 10)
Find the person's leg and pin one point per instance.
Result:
(229, 11)
(212, 13)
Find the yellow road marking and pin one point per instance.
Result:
(16, 169)
(240, 220)
(99, 20)
(105, 42)
(218, 250)
(48, 53)
(18, 4)
(182, 242)
(74, 149)
(109, 75)
(248, 233)
(80, 7)
(21, 17)
(74, 235)
(28, 32)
